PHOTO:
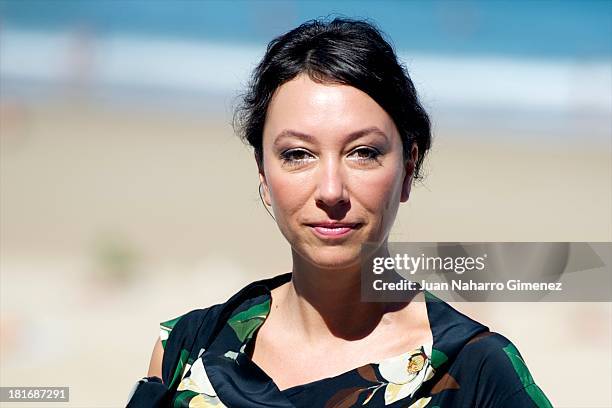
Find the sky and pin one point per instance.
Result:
(542, 29)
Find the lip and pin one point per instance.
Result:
(332, 230)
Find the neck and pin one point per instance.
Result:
(326, 303)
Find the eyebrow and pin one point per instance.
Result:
(309, 138)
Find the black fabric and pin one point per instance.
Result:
(206, 364)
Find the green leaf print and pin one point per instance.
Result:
(183, 398)
(437, 358)
(538, 396)
(179, 367)
(169, 325)
(520, 367)
(165, 329)
(247, 321)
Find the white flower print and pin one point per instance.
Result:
(197, 381)
(406, 373)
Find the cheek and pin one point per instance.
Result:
(379, 193)
(289, 193)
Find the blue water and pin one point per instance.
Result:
(545, 29)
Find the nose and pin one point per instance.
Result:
(331, 183)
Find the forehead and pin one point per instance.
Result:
(323, 109)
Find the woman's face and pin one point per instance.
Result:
(333, 170)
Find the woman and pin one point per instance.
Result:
(338, 136)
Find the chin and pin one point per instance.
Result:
(335, 257)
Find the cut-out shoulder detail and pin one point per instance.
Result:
(155, 365)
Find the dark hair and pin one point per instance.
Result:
(343, 51)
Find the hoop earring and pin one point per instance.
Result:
(264, 203)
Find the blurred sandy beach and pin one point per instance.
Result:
(113, 221)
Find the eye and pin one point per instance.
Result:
(296, 157)
(365, 154)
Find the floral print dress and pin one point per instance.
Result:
(206, 364)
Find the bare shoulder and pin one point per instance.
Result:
(155, 365)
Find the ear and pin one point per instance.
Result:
(409, 167)
(265, 191)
